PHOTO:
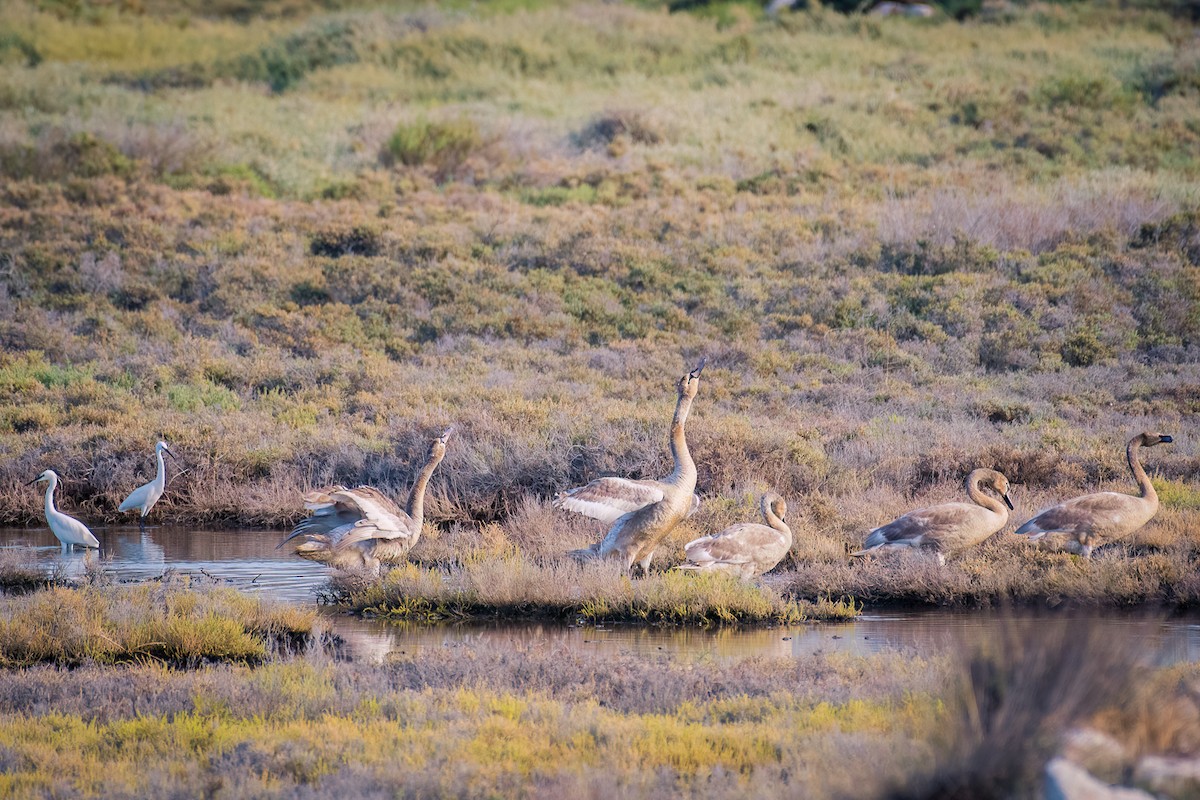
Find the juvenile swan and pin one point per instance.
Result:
(1096, 519)
(144, 497)
(351, 527)
(948, 527)
(65, 528)
(746, 549)
(641, 512)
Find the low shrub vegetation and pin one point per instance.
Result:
(170, 622)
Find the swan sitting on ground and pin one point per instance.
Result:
(746, 549)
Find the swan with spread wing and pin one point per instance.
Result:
(363, 527)
(641, 513)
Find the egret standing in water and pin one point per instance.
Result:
(66, 528)
(143, 498)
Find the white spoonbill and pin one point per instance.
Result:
(144, 497)
(66, 528)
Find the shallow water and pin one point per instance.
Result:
(248, 560)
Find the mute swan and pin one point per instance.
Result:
(948, 527)
(746, 549)
(1095, 519)
(641, 512)
(362, 526)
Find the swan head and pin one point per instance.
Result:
(689, 384)
(994, 479)
(775, 504)
(438, 448)
(47, 475)
(1149, 439)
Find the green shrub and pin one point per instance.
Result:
(443, 145)
(360, 240)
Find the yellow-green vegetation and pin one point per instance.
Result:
(20, 572)
(514, 587)
(171, 622)
(470, 723)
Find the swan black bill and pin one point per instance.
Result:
(1008, 502)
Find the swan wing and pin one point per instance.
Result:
(609, 499)
(1083, 514)
(379, 518)
(744, 543)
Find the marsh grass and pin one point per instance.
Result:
(20, 573)
(513, 587)
(1017, 697)
(170, 622)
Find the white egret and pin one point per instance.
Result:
(144, 497)
(66, 528)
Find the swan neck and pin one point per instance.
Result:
(774, 521)
(982, 498)
(416, 498)
(684, 473)
(1139, 474)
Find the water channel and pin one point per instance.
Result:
(248, 561)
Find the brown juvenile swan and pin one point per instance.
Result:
(948, 527)
(352, 527)
(641, 512)
(1095, 519)
(746, 549)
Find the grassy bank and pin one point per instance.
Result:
(168, 622)
(512, 587)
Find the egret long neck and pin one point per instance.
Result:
(160, 477)
(51, 485)
(982, 498)
(1139, 474)
(684, 473)
(416, 499)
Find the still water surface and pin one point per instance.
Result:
(248, 560)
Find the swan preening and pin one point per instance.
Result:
(362, 527)
(949, 527)
(746, 549)
(641, 512)
(1102, 517)
(144, 497)
(67, 529)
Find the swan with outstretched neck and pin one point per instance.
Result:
(642, 512)
(68, 530)
(1102, 517)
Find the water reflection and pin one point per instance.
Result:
(246, 560)
(929, 633)
(249, 561)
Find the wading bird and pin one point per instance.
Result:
(949, 527)
(65, 528)
(746, 549)
(1102, 517)
(362, 527)
(144, 497)
(641, 512)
